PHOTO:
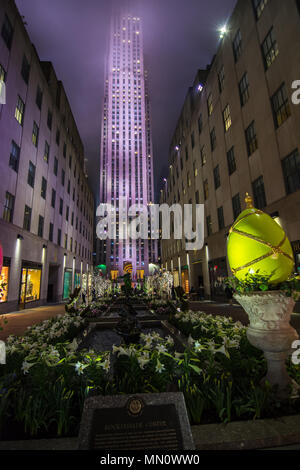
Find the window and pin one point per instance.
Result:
(221, 79)
(14, 156)
(59, 237)
(259, 6)
(221, 218)
(291, 172)
(227, 118)
(53, 198)
(210, 106)
(2, 75)
(205, 189)
(49, 119)
(66, 241)
(4, 277)
(244, 89)
(39, 97)
(46, 152)
(7, 32)
(31, 174)
(200, 124)
(203, 156)
(63, 177)
(217, 177)
(57, 137)
(213, 139)
(67, 214)
(231, 161)
(259, 193)
(31, 284)
(208, 225)
(280, 106)
(51, 232)
(27, 218)
(8, 209)
(61, 206)
(55, 167)
(41, 226)
(65, 150)
(20, 109)
(237, 45)
(197, 197)
(70, 162)
(251, 139)
(44, 188)
(236, 206)
(25, 70)
(35, 134)
(186, 153)
(69, 186)
(269, 49)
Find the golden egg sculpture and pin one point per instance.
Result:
(257, 242)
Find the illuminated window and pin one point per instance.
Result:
(227, 118)
(46, 152)
(269, 49)
(67, 287)
(20, 109)
(259, 6)
(4, 278)
(114, 275)
(210, 106)
(30, 285)
(280, 106)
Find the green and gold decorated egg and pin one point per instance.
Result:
(257, 242)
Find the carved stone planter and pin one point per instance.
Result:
(270, 331)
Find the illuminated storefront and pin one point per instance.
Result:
(31, 275)
(77, 280)
(67, 283)
(4, 277)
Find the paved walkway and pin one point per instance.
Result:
(19, 321)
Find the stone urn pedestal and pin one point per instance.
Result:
(270, 331)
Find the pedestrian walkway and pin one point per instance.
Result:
(18, 322)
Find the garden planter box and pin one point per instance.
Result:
(244, 435)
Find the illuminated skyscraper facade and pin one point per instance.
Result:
(126, 166)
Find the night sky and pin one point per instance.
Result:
(180, 36)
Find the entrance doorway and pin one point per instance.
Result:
(52, 284)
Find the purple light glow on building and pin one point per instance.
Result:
(126, 157)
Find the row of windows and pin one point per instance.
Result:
(8, 216)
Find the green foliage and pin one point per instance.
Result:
(256, 282)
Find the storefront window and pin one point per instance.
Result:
(4, 277)
(67, 284)
(30, 285)
(77, 281)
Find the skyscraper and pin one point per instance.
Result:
(126, 166)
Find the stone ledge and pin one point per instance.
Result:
(241, 435)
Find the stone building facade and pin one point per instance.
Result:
(238, 132)
(46, 205)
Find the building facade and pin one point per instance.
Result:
(126, 160)
(238, 132)
(46, 205)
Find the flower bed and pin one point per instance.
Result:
(47, 378)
